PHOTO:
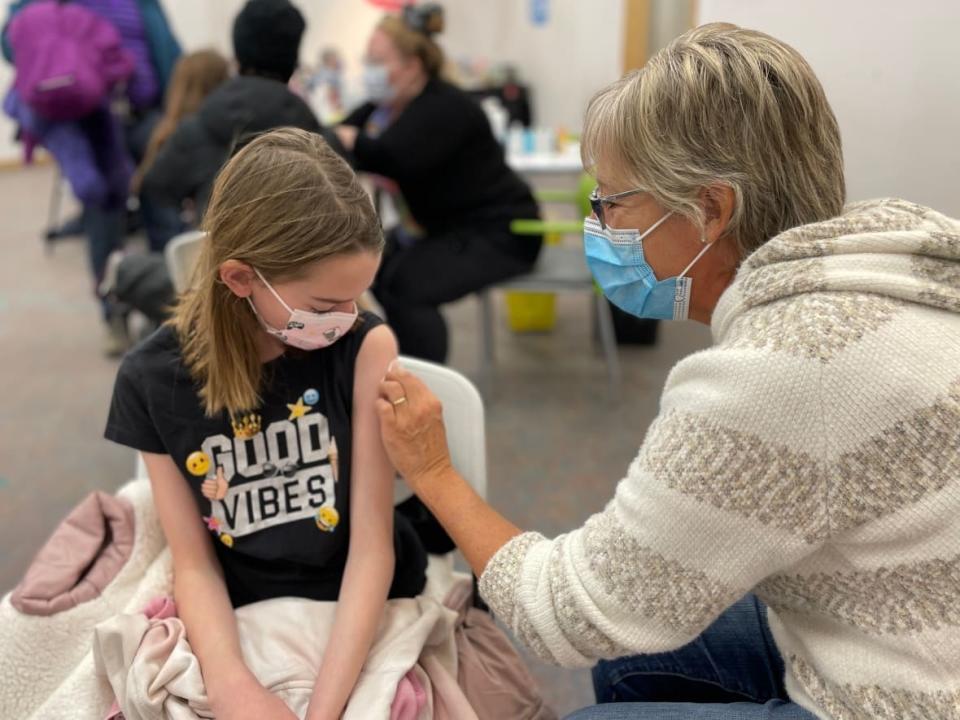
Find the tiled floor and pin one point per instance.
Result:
(558, 441)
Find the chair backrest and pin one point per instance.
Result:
(181, 255)
(463, 417)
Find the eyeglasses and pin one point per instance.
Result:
(597, 201)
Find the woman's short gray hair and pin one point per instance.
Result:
(725, 105)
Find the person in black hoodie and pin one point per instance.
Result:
(432, 146)
(266, 41)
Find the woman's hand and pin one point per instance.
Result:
(249, 700)
(347, 135)
(411, 425)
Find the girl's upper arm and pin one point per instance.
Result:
(372, 474)
(179, 516)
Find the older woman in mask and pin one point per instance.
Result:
(787, 542)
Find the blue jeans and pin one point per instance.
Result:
(161, 222)
(733, 671)
(105, 233)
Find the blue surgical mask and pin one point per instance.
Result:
(376, 83)
(616, 260)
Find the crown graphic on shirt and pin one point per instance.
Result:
(246, 427)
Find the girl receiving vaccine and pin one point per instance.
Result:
(254, 409)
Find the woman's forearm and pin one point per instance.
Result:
(366, 582)
(478, 530)
(204, 607)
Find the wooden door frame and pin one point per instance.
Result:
(636, 33)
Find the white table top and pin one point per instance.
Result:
(565, 162)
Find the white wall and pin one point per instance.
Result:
(344, 23)
(202, 24)
(892, 74)
(668, 18)
(565, 62)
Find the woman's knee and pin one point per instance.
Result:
(728, 662)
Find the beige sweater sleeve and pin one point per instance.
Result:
(710, 507)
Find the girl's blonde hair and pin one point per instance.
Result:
(416, 44)
(726, 105)
(194, 77)
(283, 202)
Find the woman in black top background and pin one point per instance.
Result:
(432, 147)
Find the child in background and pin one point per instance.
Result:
(141, 281)
(195, 76)
(238, 402)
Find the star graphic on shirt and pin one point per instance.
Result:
(298, 410)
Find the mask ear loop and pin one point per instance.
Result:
(271, 330)
(270, 288)
(657, 224)
(694, 261)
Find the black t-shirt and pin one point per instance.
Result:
(279, 477)
(447, 163)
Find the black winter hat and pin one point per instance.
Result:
(266, 38)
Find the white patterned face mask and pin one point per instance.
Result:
(308, 330)
(376, 83)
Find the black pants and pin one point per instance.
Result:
(414, 281)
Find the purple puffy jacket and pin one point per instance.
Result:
(90, 152)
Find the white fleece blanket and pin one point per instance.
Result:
(155, 674)
(47, 662)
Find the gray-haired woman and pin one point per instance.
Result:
(810, 458)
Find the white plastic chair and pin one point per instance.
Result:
(181, 255)
(60, 188)
(463, 417)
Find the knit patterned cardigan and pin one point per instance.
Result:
(811, 456)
